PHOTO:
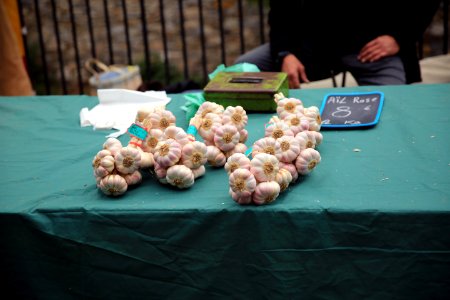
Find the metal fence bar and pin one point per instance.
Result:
(58, 47)
(75, 44)
(261, 22)
(241, 26)
(145, 39)
(90, 28)
(222, 32)
(183, 40)
(42, 47)
(445, 45)
(127, 34)
(24, 32)
(108, 32)
(202, 41)
(164, 36)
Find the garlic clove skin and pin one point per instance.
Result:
(289, 149)
(198, 172)
(242, 182)
(277, 130)
(193, 155)
(237, 161)
(283, 178)
(307, 161)
(290, 167)
(167, 153)
(241, 199)
(243, 135)
(312, 114)
(113, 185)
(226, 137)
(127, 160)
(267, 145)
(215, 156)
(180, 176)
(319, 137)
(151, 141)
(309, 137)
(266, 192)
(133, 178)
(264, 167)
(208, 126)
(209, 107)
(236, 116)
(113, 145)
(288, 106)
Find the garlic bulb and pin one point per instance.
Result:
(153, 138)
(264, 166)
(243, 136)
(178, 134)
(242, 182)
(105, 168)
(193, 155)
(143, 113)
(162, 119)
(289, 106)
(266, 192)
(198, 172)
(319, 137)
(312, 114)
(133, 178)
(160, 173)
(289, 149)
(307, 161)
(239, 148)
(297, 123)
(309, 136)
(291, 168)
(167, 153)
(215, 156)
(283, 178)
(180, 176)
(236, 116)
(209, 107)
(208, 126)
(241, 199)
(226, 137)
(127, 160)
(113, 185)
(267, 145)
(113, 145)
(237, 161)
(277, 130)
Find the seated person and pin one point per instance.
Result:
(312, 40)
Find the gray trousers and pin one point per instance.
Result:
(386, 71)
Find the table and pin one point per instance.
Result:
(373, 224)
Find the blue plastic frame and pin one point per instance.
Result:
(377, 117)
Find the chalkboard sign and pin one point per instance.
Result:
(351, 109)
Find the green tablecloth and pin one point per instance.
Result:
(373, 224)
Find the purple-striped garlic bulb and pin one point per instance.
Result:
(241, 199)
(236, 116)
(127, 160)
(193, 155)
(215, 156)
(267, 145)
(243, 135)
(266, 192)
(208, 126)
(307, 161)
(283, 178)
(180, 176)
(288, 106)
(198, 172)
(153, 138)
(309, 136)
(167, 153)
(290, 167)
(209, 107)
(312, 114)
(103, 163)
(162, 119)
(133, 178)
(113, 185)
(239, 148)
(264, 166)
(237, 161)
(277, 130)
(226, 137)
(297, 123)
(289, 148)
(113, 145)
(178, 134)
(242, 182)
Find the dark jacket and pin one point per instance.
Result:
(319, 32)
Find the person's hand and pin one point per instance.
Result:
(378, 48)
(295, 71)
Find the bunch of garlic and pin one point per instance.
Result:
(259, 180)
(178, 158)
(223, 131)
(116, 167)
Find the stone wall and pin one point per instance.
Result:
(154, 34)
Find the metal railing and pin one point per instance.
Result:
(45, 22)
